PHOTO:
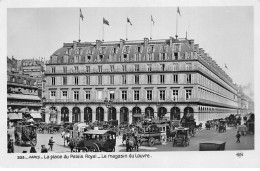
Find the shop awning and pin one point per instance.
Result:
(15, 116)
(23, 97)
(36, 115)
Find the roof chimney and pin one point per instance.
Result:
(122, 41)
(74, 44)
(171, 40)
(146, 41)
(196, 47)
(191, 42)
(98, 43)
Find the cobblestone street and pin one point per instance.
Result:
(247, 142)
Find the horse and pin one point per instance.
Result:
(132, 142)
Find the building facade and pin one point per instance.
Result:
(22, 91)
(146, 78)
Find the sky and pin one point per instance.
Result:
(225, 32)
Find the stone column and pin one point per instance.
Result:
(106, 113)
(118, 114)
(81, 113)
(93, 114)
(58, 115)
(130, 117)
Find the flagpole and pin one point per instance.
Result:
(151, 30)
(79, 25)
(176, 25)
(126, 31)
(103, 32)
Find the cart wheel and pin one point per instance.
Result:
(151, 142)
(163, 139)
(85, 149)
(34, 142)
(94, 148)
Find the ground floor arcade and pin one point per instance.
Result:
(131, 113)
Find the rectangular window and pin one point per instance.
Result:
(100, 80)
(52, 80)
(87, 80)
(188, 94)
(112, 68)
(149, 79)
(99, 68)
(53, 69)
(136, 67)
(163, 55)
(175, 67)
(123, 79)
(112, 79)
(87, 68)
(101, 57)
(136, 95)
(162, 79)
(64, 80)
(53, 94)
(176, 55)
(162, 67)
(65, 69)
(175, 95)
(136, 79)
(112, 95)
(149, 67)
(188, 66)
(124, 68)
(188, 78)
(76, 68)
(76, 79)
(124, 95)
(64, 94)
(99, 95)
(150, 57)
(175, 78)
(87, 95)
(177, 47)
(76, 95)
(139, 49)
(162, 94)
(149, 94)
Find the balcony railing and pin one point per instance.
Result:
(122, 101)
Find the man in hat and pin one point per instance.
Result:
(44, 149)
(51, 142)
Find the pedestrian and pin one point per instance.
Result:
(33, 150)
(71, 145)
(11, 146)
(51, 142)
(44, 149)
(238, 137)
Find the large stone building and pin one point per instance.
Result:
(145, 78)
(22, 92)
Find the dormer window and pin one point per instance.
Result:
(164, 49)
(176, 55)
(101, 57)
(138, 49)
(102, 50)
(177, 47)
(89, 52)
(114, 50)
(68, 51)
(126, 49)
(151, 49)
(79, 51)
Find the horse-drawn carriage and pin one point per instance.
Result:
(189, 122)
(25, 134)
(182, 137)
(97, 140)
(153, 133)
(231, 120)
(222, 126)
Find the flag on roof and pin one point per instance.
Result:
(128, 20)
(105, 21)
(81, 15)
(178, 11)
(226, 66)
(152, 19)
